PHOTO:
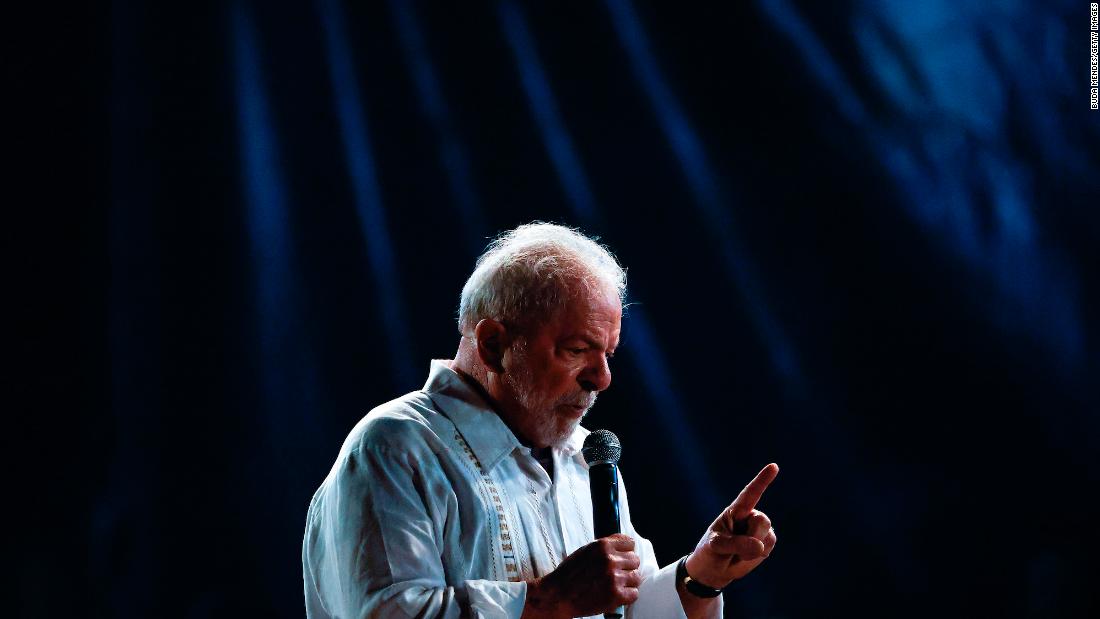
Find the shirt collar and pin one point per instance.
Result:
(485, 432)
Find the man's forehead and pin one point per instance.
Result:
(590, 322)
(592, 310)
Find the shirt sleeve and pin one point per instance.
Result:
(657, 596)
(373, 545)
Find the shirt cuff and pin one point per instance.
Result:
(492, 599)
(658, 598)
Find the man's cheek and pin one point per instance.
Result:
(575, 367)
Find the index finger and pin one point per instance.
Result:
(750, 496)
(621, 541)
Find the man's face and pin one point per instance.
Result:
(552, 376)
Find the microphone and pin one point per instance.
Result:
(601, 450)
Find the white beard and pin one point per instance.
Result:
(553, 428)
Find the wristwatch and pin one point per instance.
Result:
(693, 586)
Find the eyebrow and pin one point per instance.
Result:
(592, 342)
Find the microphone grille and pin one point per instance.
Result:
(601, 446)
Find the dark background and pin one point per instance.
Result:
(861, 241)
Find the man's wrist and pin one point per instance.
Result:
(540, 603)
(692, 586)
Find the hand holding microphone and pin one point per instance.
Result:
(601, 576)
(598, 576)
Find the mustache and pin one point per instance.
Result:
(584, 398)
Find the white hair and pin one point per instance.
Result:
(527, 274)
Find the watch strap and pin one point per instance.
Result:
(693, 586)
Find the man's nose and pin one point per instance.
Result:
(596, 377)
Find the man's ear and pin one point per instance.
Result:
(492, 340)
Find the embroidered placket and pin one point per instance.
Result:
(507, 544)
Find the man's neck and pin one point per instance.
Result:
(474, 376)
(469, 376)
(545, 457)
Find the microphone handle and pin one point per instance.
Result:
(603, 478)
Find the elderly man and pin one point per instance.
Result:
(469, 498)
